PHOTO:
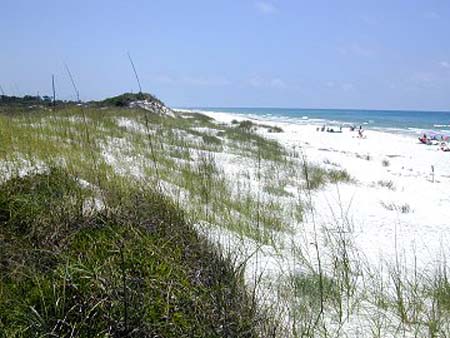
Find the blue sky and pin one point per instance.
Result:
(385, 54)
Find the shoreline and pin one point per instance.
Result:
(412, 131)
(393, 198)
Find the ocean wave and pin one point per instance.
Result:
(419, 130)
(303, 117)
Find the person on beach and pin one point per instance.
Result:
(444, 147)
(424, 139)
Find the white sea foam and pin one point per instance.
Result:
(306, 120)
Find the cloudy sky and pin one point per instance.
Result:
(384, 54)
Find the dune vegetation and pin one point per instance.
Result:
(118, 221)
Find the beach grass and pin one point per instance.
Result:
(131, 267)
(100, 181)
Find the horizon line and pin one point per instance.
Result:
(309, 108)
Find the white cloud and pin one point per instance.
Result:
(444, 64)
(265, 7)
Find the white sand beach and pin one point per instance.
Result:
(395, 214)
(409, 217)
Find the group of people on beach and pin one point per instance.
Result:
(352, 128)
(329, 129)
(435, 140)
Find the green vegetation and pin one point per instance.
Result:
(309, 288)
(317, 176)
(251, 126)
(125, 99)
(134, 268)
(441, 292)
(6, 100)
(178, 153)
(247, 125)
(29, 103)
(97, 214)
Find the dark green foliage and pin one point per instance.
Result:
(134, 269)
(124, 100)
(246, 124)
(25, 100)
(29, 204)
(29, 103)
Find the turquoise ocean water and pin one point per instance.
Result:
(409, 122)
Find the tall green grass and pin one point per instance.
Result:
(133, 268)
